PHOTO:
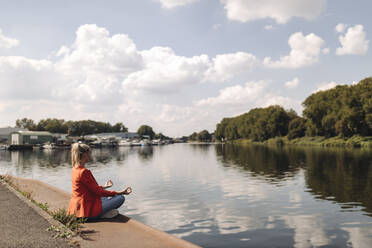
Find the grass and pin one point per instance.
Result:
(355, 141)
(70, 221)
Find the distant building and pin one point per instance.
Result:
(29, 138)
(5, 131)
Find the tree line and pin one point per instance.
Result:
(83, 127)
(76, 128)
(202, 136)
(341, 111)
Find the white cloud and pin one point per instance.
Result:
(96, 64)
(237, 99)
(164, 71)
(6, 42)
(293, 83)
(216, 26)
(354, 42)
(340, 28)
(326, 86)
(23, 78)
(281, 11)
(170, 4)
(325, 50)
(227, 66)
(268, 27)
(106, 78)
(305, 50)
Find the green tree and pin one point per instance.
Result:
(344, 110)
(119, 128)
(146, 130)
(193, 136)
(52, 125)
(258, 124)
(26, 123)
(296, 128)
(204, 136)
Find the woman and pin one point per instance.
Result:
(88, 199)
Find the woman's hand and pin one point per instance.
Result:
(126, 191)
(108, 184)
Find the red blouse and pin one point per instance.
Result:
(86, 194)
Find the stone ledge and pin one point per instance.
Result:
(121, 231)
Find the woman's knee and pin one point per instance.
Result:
(120, 199)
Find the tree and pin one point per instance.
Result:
(204, 136)
(193, 136)
(52, 125)
(343, 110)
(26, 123)
(119, 128)
(258, 124)
(296, 128)
(146, 130)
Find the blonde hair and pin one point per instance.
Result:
(77, 151)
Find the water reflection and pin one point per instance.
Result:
(145, 153)
(344, 176)
(273, 164)
(338, 175)
(230, 196)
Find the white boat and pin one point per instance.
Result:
(124, 142)
(3, 147)
(136, 143)
(145, 142)
(49, 146)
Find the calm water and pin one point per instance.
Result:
(229, 196)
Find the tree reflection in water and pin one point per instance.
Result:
(340, 175)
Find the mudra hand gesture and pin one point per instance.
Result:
(108, 184)
(126, 191)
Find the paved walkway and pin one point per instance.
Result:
(22, 226)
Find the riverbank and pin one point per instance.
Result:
(121, 231)
(354, 141)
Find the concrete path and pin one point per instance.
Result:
(21, 225)
(121, 231)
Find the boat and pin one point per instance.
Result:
(49, 146)
(145, 142)
(124, 142)
(156, 142)
(4, 147)
(136, 143)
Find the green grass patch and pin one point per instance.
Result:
(70, 221)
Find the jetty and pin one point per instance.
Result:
(121, 231)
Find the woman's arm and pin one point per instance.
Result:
(91, 183)
(108, 184)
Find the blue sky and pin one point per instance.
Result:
(177, 65)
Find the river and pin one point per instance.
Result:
(229, 196)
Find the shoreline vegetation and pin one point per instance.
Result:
(338, 117)
(318, 141)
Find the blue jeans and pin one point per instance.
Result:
(111, 203)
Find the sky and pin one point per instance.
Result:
(177, 65)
